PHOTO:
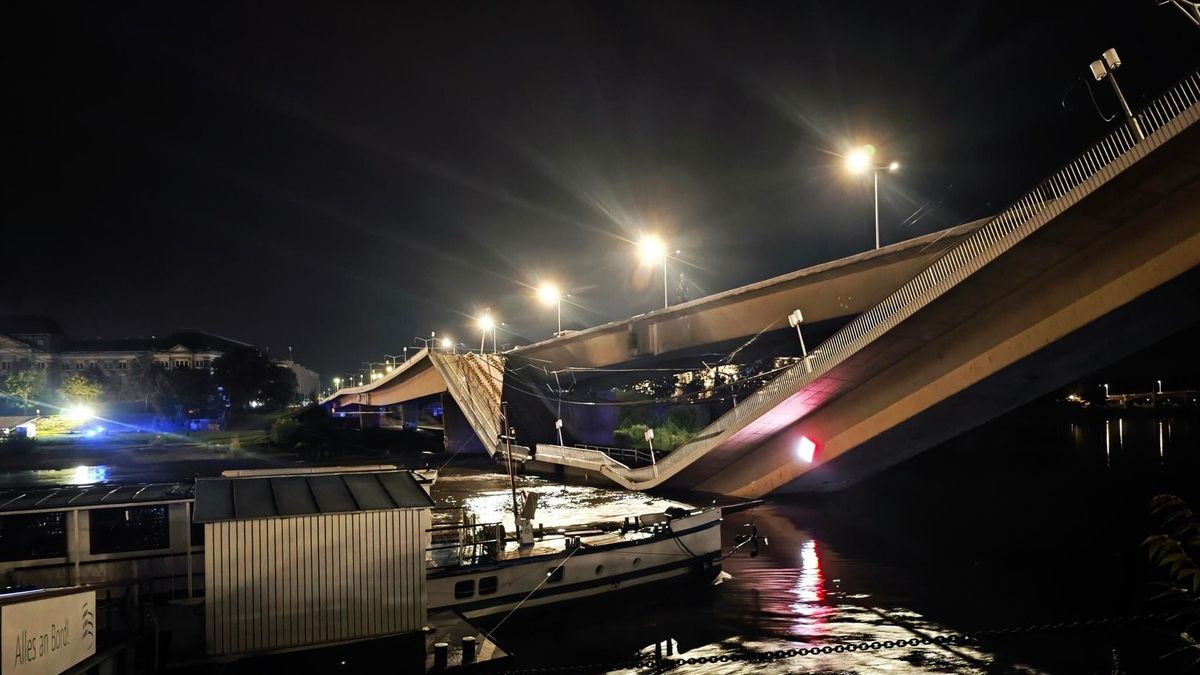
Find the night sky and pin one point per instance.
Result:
(341, 178)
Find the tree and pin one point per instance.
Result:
(22, 385)
(80, 388)
(245, 375)
(147, 382)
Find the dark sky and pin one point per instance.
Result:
(341, 178)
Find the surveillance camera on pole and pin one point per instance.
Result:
(1103, 67)
(794, 320)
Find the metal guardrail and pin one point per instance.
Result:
(1161, 120)
(636, 454)
(464, 382)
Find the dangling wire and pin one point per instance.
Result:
(1091, 95)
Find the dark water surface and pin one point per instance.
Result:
(1027, 520)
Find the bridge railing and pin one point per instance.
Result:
(1160, 120)
(469, 379)
(627, 456)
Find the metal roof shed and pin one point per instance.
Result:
(304, 560)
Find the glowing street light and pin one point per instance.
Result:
(486, 323)
(337, 383)
(652, 250)
(447, 343)
(863, 159)
(550, 295)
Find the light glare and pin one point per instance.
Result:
(806, 449)
(548, 294)
(486, 323)
(652, 249)
(858, 160)
(80, 413)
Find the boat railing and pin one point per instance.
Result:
(465, 542)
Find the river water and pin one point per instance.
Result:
(1023, 521)
(1030, 519)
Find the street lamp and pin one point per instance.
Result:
(486, 323)
(447, 343)
(549, 295)
(652, 249)
(337, 383)
(1103, 67)
(862, 159)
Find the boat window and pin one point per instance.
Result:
(599, 570)
(555, 574)
(637, 561)
(33, 535)
(464, 589)
(488, 585)
(138, 528)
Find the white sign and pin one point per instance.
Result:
(47, 636)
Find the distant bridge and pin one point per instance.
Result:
(1096, 261)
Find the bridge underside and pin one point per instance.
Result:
(1130, 328)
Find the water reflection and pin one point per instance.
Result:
(489, 497)
(799, 592)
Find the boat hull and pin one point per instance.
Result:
(690, 549)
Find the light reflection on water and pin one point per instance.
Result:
(800, 592)
(489, 497)
(83, 474)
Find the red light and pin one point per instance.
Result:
(806, 449)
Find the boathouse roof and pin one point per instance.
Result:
(222, 499)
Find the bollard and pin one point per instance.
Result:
(658, 652)
(441, 655)
(468, 649)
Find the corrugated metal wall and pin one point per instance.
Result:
(286, 582)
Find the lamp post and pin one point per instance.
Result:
(428, 342)
(550, 295)
(652, 249)
(337, 383)
(862, 159)
(486, 323)
(447, 343)
(1103, 67)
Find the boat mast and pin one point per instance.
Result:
(512, 476)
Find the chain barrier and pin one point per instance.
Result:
(954, 639)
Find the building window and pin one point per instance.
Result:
(108, 365)
(33, 535)
(488, 585)
(464, 589)
(66, 366)
(139, 528)
(79, 365)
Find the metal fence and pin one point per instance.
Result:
(1161, 120)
